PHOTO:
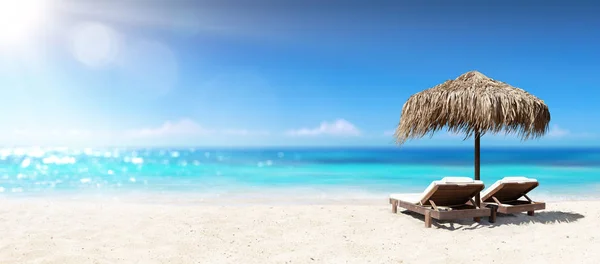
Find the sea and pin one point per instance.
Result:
(272, 173)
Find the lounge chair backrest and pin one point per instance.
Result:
(451, 191)
(509, 189)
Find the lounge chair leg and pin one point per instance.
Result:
(494, 210)
(476, 219)
(530, 213)
(394, 206)
(427, 219)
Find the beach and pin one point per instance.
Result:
(177, 205)
(91, 230)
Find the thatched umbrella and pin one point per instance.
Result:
(474, 105)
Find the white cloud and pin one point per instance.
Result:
(339, 127)
(183, 126)
(245, 132)
(388, 133)
(557, 132)
(189, 127)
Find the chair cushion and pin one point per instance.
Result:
(457, 180)
(517, 179)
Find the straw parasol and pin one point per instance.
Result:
(473, 104)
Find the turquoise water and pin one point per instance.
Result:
(563, 173)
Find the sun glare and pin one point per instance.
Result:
(19, 19)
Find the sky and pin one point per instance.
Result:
(281, 73)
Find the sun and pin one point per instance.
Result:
(19, 19)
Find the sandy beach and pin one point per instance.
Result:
(39, 230)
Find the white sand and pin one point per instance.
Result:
(59, 231)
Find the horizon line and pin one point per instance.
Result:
(306, 147)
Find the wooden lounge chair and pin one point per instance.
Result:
(505, 194)
(449, 198)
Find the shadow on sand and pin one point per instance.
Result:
(545, 217)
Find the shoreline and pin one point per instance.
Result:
(241, 198)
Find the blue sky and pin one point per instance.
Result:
(252, 73)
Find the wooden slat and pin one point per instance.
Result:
(412, 207)
(496, 200)
(520, 206)
(452, 194)
(473, 203)
(433, 205)
(456, 212)
(461, 214)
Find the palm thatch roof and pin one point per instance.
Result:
(473, 103)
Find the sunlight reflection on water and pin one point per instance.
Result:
(52, 170)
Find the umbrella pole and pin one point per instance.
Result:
(477, 163)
